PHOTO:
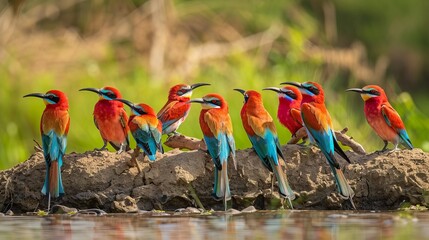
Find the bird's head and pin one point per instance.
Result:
(370, 92)
(249, 94)
(210, 101)
(106, 93)
(138, 109)
(290, 93)
(183, 90)
(52, 98)
(311, 91)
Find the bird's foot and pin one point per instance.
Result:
(393, 151)
(122, 148)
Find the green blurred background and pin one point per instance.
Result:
(144, 47)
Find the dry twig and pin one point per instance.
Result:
(184, 142)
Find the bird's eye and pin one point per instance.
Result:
(373, 92)
(314, 90)
(53, 98)
(213, 101)
(110, 95)
(180, 92)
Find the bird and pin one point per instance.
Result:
(382, 117)
(262, 133)
(289, 112)
(111, 119)
(318, 124)
(145, 128)
(176, 109)
(216, 125)
(54, 126)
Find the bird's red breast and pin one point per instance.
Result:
(289, 113)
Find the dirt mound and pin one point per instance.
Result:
(104, 180)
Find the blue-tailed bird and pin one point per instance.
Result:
(54, 127)
(216, 126)
(262, 133)
(318, 124)
(145, 128)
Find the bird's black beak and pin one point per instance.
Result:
(196, 100)
(278, 90)
(358, 90)
(91, 90)
(130, 104)
(197, 85)
(298, 85)
(39, 95)
(240, 91)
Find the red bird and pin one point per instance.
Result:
(382, 117)
(54, 127)
(111, 119)
(176, 109)
(288, 112)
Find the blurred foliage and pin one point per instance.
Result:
(123, 62)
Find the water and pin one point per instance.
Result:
(261, 225)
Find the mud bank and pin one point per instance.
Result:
(104, 180)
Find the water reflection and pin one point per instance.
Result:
(261, 225)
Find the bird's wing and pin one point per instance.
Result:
(318, 125)
(172, 112)
(261, 123)
(394, 121)
(123, 118)
(156, 132)
(264, 129)
(296, 115)
(54, 128)
(142, 135)
(215, 123)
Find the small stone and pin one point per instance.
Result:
(192, 210)
(232, 211)
(180, 210)
(127, 205)
(60, 209)
(9, 213)
(250, 209)
(94, 211)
